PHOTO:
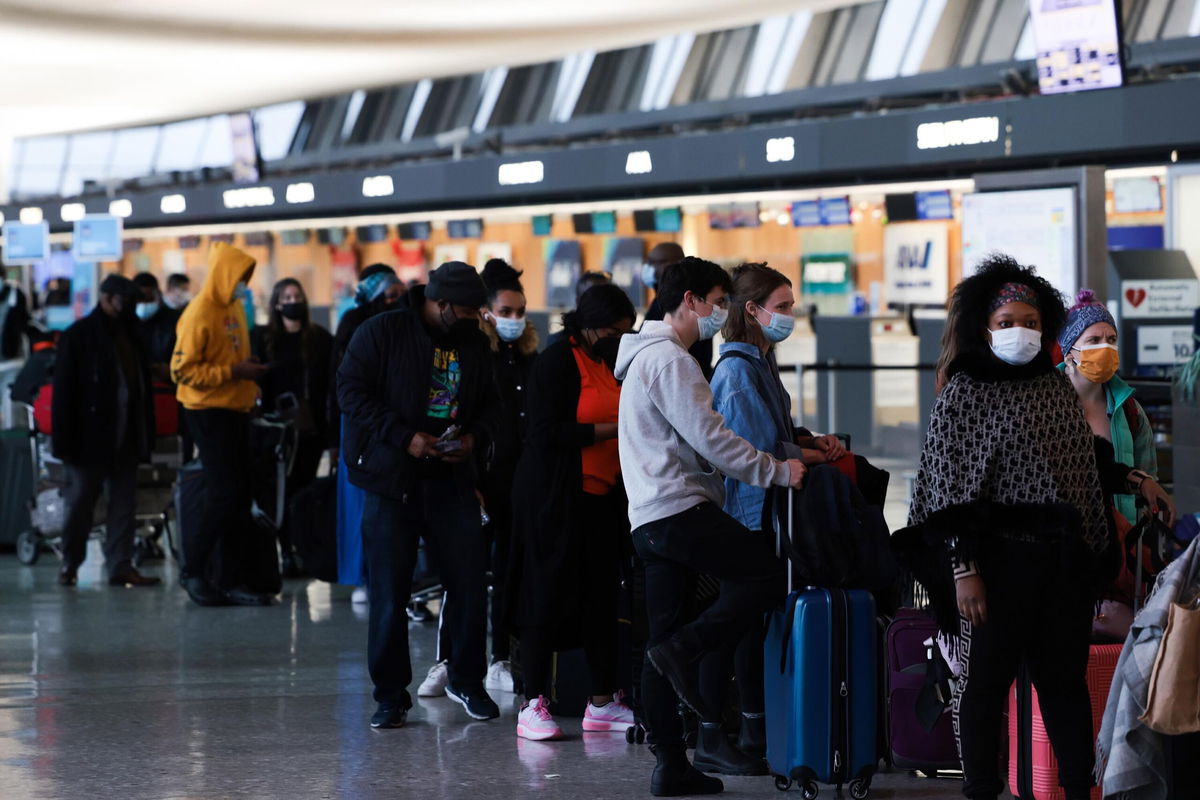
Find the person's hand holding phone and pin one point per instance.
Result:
(422, 445)
(455, 451)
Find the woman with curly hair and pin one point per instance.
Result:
(1009, 525)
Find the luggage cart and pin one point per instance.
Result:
(47, 503)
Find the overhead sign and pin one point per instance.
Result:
(958, 133)
(1078, 44)
(1148, 299)
(97, 237)
(916, 266)
(25, 243)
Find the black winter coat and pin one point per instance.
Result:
(306, 375)
(383, 391)
(347, 326)
(547, 491)
(84, 408)
(158, 335)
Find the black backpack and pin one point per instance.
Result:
(832, 536)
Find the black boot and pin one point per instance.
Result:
(674, 776)
(715, 753)
(752, 739)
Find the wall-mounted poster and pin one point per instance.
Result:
(451, 251)
(623, 257)
(564, 264)
(489, 250)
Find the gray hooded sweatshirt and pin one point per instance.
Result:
(673, 445)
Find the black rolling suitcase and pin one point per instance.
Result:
(313, 523)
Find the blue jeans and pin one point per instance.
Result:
(447, 517)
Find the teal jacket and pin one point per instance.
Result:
(1131, 448)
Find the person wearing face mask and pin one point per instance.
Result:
(514, 345)
(156, 326)
(569, 516)
(660, 257)
(378, 290)
(674, 448)
(417, 391)
(179, 291)
(748, 393)
(1009, 530)
(215, 376)
(103, 426)
(1090, 359)
(298, 351)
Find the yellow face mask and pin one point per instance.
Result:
(1098, 362)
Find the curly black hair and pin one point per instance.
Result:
(967, 319)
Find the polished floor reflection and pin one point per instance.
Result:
(123, 693)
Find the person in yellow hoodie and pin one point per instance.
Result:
(215, 376)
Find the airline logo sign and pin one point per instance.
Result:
(916, 262)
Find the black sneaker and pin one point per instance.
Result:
(389, 716)
(204, 593)
(674, 776)
(475, 701)
(242, 596)
(682, 673)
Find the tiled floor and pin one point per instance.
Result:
(123, 693)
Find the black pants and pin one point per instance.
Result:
(598, 570)
(304, 470)
(1041, 614)
(83, 488)
(499, 540)
(222, 437)
(744, 660)
(447, 517)
(703, 539)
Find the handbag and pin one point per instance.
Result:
(1173, 705)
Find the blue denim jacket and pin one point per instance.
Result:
(761, 418)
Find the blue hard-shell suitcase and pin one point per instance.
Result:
(821, 688)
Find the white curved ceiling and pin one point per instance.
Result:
(79, 64)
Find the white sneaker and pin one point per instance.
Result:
(499, 677)
(435, 682)
(359, 595)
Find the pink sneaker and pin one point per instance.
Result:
(535, 723)
(614, 716)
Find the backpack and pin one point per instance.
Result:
(838, 540)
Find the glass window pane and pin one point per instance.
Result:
(133, 154)
(927, 25)
(352, 110)
(275, 126)
(179, 145)
(41, 166)
(217, 150)
(896, 28)
(87, 160)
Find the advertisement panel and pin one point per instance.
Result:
(916, 263)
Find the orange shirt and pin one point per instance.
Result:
(599, 398)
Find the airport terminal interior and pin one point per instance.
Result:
(315, 317)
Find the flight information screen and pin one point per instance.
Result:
(1078, 45)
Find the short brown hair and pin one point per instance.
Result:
(753, 282)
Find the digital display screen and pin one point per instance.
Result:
(97, 238)
(668, 220)
(806, 214)
(25, 243)
(415, 231)
(935, 205)
(1078, 45)
(465, 228)
(542, 224)
(1034, 226)
(835, 210)
(604, 222)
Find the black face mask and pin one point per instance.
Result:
(606, 350)
(294, 311)
(455, 327)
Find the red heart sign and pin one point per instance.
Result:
(1135, 296)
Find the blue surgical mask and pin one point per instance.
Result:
(649, 276)
(509, 329)
(710, 325)
(147, 310)
(1016, 346)
(779, 328)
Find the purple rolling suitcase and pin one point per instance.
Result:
(909, 641)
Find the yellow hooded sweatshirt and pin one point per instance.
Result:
(212, 336)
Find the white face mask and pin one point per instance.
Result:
(649, 276)
(1016, 345)
(147, 310)
(508, 329)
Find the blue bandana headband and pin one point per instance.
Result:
(373, 286)
(1086, 312)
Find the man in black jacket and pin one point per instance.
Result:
(156, 326)
(103, 425)
(416, 391)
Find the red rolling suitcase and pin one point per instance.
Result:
(1032, 767)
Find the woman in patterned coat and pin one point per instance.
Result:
(1009, 529)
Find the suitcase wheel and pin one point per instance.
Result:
(859, 789)
(29, 547)
(782, 783)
